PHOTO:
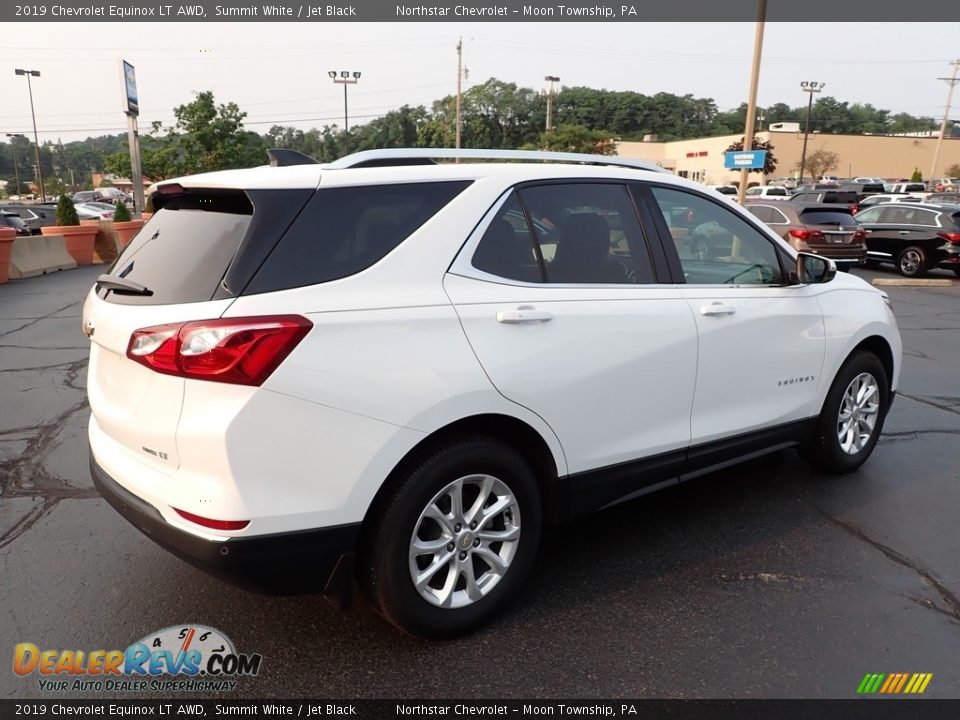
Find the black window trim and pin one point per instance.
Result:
(645, 187)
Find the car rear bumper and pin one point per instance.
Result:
(294, 562)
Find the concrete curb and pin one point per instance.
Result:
(930, 282)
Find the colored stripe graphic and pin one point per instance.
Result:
(894, 683)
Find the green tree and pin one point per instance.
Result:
(211, 137)
(120, 212)
(917, 175)
(577, 139)
(66, 212)
(769, 162)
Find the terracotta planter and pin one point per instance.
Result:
(90, 221)
(7, 236)
(126, 230)
(79, 240)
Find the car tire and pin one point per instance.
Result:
(420, 529)
(851, 420)
(956, 271)
(912, 261)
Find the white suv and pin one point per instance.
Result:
(397, 370)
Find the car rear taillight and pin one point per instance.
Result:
(242, 351)
(950, 236)
(860, 235)
(806, 234)
(213, 524)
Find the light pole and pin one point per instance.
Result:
(345, 78)
(16, 162)
(811, 87)
(550, 79)
(36, 139)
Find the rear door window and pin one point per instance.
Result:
(588, 233)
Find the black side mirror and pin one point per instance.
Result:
(813, 269)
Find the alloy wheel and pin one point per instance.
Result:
(859, 411)
(464, 541)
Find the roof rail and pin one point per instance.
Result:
(284, 157)
(423, 156)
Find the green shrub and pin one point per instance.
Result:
(120, 212)
(66, 212)
(917, 176)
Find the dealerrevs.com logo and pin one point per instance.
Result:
(191, 658)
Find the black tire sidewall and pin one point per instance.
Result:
(393, 589)
(823, 450)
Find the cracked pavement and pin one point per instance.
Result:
(765, 580)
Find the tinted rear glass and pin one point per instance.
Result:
(344, 230)
(826, 217)
(181, 254)
(840, 197)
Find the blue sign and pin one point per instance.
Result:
(745, 159)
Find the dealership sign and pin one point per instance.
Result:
(745, 159)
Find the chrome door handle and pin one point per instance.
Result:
(904, 232)
(523, 315)
(717, 309)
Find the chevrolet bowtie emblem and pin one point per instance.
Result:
(88, 329)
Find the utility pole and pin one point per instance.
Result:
(752, 100)
(952, 82)
(459, 85)
(551, 79)
(810, 87)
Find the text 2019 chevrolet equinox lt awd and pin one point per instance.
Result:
(398, 370)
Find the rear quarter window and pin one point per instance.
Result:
(345, 230)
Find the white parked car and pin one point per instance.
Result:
(768, 192)
(401, 371)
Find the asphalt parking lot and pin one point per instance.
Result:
(766, 580)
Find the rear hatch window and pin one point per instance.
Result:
(182, 253)
(827, 217)
(841, 197)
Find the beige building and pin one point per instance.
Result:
(882, 156)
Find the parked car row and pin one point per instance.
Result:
(40, 215)
(914, 236)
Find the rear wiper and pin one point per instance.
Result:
(122, 285)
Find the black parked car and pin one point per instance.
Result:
(33, 216)
(913, 236)
(9, 219)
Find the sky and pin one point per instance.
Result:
(277, 72)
